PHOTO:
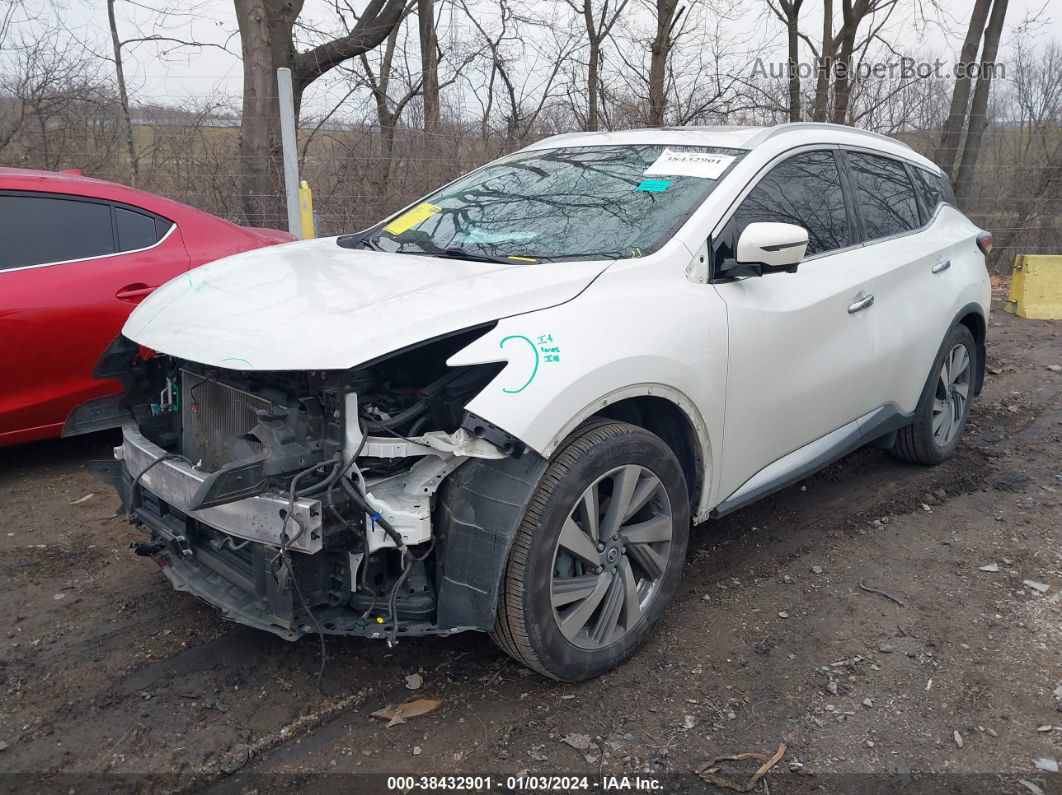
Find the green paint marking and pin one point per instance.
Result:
(534, 372)
(237, 359)
(187, 289)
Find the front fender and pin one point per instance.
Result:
(567, 363)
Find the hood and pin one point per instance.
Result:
(317, 306)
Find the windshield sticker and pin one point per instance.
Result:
(410, 218)
(689, 164)
(522, 259)
(545, 351)
(654, 185)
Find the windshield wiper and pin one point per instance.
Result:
(358, 241)
(456, 253)
(428, 248)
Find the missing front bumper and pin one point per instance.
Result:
(258, 518)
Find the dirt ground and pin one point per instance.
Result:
(109, 679)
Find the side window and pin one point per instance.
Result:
(884, 194)
(135, 230)
(804, 190)
(930, 189)
(41, 229)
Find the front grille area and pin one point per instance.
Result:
(214, 415)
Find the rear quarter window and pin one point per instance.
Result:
(135, 230)
(884, 195)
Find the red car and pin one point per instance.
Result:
(76, 255)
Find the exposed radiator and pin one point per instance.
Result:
(214, 415)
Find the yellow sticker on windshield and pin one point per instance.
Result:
(410, 218)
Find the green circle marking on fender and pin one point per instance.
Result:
(534, 371)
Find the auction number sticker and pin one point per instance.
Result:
(689, 164)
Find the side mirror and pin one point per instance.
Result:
(772, 246)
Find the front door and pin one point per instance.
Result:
(800, 345)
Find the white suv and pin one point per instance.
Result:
(501, 408)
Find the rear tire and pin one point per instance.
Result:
(941, 415)
(590, 573)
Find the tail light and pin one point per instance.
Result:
(984, 242)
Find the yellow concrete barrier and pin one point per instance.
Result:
(1036, 287)
(306, 210)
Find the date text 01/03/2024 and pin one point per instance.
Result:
(526, 783)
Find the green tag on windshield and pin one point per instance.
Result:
(655, 185)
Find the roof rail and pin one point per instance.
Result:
(778, 129)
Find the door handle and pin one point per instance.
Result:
(942, 266)
(860, 304)
(134, 293)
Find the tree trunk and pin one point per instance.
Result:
(842, 86)
(667, 15)
(593, 80)
(792, 25)
(951, 135)
(979, 107)
(265, 39)
(429, 62)
(820, 110)
(384, 116)
(123, 96)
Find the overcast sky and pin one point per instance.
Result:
(214, 73)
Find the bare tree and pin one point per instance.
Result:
(123, 94)
(979, 106)
(836, 54)
(598, 29)
(267, 42)
(429, 62)
(389, 110)
(166, 20)
(789, 12)
(523, 66)
(667, 16)
(950, 136)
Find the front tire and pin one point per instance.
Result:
(598, 554)
(945, 404)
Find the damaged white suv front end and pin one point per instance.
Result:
(268, 494)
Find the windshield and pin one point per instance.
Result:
(602, 202)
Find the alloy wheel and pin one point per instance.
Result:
(952, 395)
(611, 556)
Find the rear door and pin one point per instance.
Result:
(907, 259)
(71, 270)
(800, 351)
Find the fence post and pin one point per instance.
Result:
(306, 210)
(289, 145)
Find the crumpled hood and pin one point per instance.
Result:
(314, 305)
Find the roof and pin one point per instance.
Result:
(778, 137)
(72, 175)
(729, 136)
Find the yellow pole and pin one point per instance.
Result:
(306, 210)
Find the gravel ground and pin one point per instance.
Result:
(108, 677)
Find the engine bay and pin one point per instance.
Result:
(301, 501)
